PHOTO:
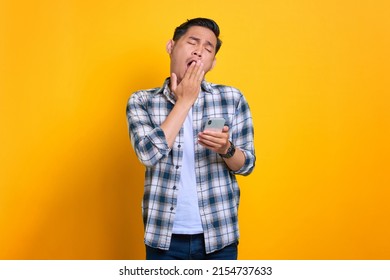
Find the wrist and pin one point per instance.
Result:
(229, 152)
(184, 103)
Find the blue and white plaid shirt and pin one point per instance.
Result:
(217, 188)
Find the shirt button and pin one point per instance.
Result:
(174, 187)
(179, 146)
(172, 208)
(177, 167)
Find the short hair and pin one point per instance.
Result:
(203, 22)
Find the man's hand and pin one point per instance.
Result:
(219, 143)
(188, 88)
(215, 141)
(186, 93)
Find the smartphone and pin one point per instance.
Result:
(214, 124)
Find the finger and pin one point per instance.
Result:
(199, 76)
(200, 73)
(190, 70)
(210, 143)
(212, 137)
(195, 70)
(211, 133)
(173, 82)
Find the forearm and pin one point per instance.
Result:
(237, 161)
(174, 121)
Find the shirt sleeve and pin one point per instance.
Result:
(147, 139)
(242, 134)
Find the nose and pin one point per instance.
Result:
(197, 53)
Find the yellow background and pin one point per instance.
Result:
(316, 75)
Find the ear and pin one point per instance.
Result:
(169, 46)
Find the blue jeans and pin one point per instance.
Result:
(190, 247)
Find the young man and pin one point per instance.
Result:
(191, 195)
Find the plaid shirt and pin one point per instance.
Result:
(217, 188)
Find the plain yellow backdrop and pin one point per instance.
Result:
(316, 75)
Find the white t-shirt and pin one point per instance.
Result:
(187, 218)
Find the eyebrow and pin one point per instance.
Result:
(198, 40)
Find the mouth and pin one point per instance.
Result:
(190, 62)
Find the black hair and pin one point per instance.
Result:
(203, 22)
